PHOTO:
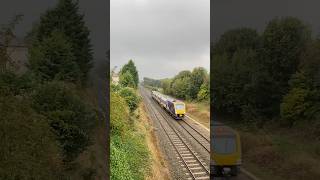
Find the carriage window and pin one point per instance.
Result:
(179, 106)
(224, 145)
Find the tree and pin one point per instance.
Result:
(166, 86)
(232, 40)
(197, 78)
(302, 101)
(126, 80)
(131, 68)
(283, 42)
(65, 18)
(52, 59)
(180, 86)
(204, 92)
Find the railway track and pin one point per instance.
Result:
(197, 136)
(201, 139)
(197, 169)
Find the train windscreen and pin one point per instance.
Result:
(179, 106)
(224, 144)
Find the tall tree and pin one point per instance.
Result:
(126, 80)
(52, 59)
(131, 68)
(198, 77)
(65, 17)
(283, 42)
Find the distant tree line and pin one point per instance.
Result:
(273, 75)
(152, 82)
(188, 85)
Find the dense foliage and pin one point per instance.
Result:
(272, 75)
(131, 97)
(47, 121)
(126, 80)
(131, 69)
(52, 59)
(65, 18)
(129, 156)
(70, 118)
(28, 147)
(185, 85)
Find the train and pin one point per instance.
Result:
(175, 108)
(225, 155)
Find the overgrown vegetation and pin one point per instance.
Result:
(47, 118)
(267, 76)
(270, 82)
(130, 157)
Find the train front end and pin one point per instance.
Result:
(226, 152)
(180, 110)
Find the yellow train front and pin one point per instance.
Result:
(176, 109)
(226, 151)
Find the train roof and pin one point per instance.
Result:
(166, 97)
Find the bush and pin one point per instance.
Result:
(294, 106)
(204, 94)
(70, 118)
(131, 98)
(126, 80)
(119, 114)
(129, 157)
(28, 146)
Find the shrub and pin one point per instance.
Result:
(119, 114)
(129, 157)
(70, 118)
(203, 94)
(294, 106)
(131, 98)
(126, 80)
(28, 147)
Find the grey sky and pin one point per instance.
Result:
(163, 37)
(95, 16)
(228, 14)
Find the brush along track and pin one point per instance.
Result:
(196, 168)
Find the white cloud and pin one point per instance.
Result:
(163, 37)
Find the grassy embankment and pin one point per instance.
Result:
(130, 156)
(199, 111)
(279, 154)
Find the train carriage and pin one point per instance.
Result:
(175, 108)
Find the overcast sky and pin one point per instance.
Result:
(163, 37)
(228, 14)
